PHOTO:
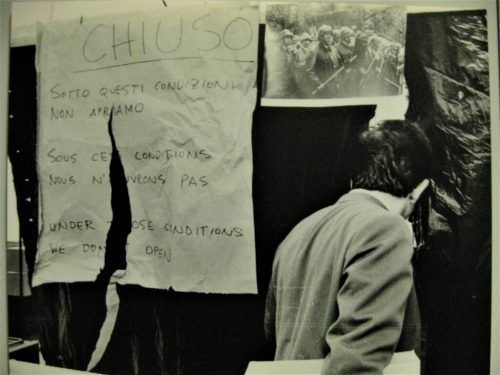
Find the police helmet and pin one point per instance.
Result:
(324, 29)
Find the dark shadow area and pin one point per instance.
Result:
(448, 80)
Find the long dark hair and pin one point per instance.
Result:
(393, 157)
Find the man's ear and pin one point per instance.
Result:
(417, 192)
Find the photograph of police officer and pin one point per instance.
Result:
(324, 50)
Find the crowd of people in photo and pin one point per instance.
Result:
(333, 62)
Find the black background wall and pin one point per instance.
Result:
(448, 78)
(301, 161)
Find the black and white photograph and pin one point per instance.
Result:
(329, 50)
(249, 187)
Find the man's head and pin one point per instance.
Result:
(346, 36)
(336, 36)
(325, 34)
(305, 40)
(286, 37)
(394, 157)
(368, 26)
(392, 51)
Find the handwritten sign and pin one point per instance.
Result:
(181, 86)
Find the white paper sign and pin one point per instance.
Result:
(181, 86)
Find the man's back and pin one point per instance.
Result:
(340, 286)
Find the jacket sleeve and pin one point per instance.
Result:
(314, 64)
(376, 282)
(270, 313)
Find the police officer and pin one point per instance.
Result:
(326, 62)
(346, 46)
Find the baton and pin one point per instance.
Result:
(334, 74)
(369, 68)
(392, 83)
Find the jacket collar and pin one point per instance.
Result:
(359, 195)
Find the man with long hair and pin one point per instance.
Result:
(342, 284)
